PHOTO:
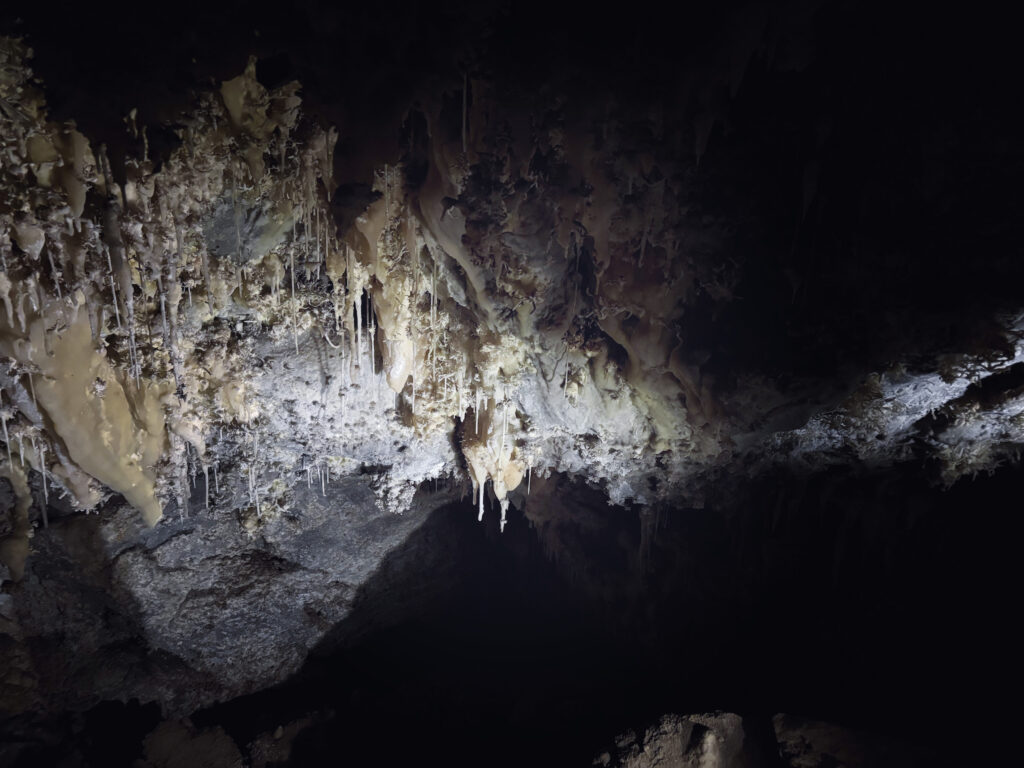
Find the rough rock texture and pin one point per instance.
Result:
(525, 269)
(805, 743)
(714, 740)
(232, 290)
(196, 610)
(718, 740)
(177, 744)
(270, 749)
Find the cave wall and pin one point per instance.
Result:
(366, 252)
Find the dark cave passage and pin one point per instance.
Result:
(458, 648)
(843, 597)
(834, 597)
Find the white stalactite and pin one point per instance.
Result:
(42, 471)
(4, 416)
(295, 317)
(504, 426)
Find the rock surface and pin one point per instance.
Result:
(805, 743)
(718, 740)
(178, 744)
(713, 740)
(251, 308)
(195, 610)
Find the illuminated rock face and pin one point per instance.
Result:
(518, 292)
(194, 611)
(198, 340)
(484, 324)
(204, 340)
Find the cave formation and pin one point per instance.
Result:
(508, 384)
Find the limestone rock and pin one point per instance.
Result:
(805, 743)
(713, 740)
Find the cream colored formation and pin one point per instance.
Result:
(203, 334)
(128, 346)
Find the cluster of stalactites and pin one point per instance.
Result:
(97, 300)
(470, 374)
(119, 289)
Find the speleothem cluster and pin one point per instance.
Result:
(207, 329)
(205, 333)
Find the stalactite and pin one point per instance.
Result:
(32, 387)
(5, 294)
(205, 259)
(316, 238)
(113, 288)
(238, 223)
(46, 493)
(433, 323)
(483, 485)
(643, 240)
(307, 246)
(163, 311)
(504, 426)
(4, 416)
(20, 306)
(223, 180)
(295, 317)
(177, 360)
(373, 332)
(55, 274)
